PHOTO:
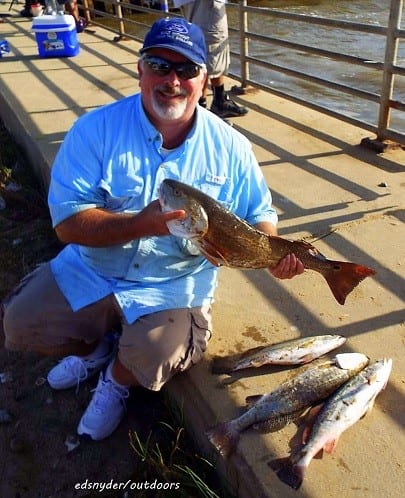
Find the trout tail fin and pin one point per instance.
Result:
(343, 277)
(224, 437)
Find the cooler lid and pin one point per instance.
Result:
(58, 20)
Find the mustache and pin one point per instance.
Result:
(171, 90)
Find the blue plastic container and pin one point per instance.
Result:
(4, 48)
(56, 35)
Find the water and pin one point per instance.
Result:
(364, 45)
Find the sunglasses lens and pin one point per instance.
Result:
(187, 71)
(162, 67)
(158, 66)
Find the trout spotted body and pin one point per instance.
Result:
(292, 352)
(342, 409)
(311, 384)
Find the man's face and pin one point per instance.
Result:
(169, 98)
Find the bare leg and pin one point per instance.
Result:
(122, 375)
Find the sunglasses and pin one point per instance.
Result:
(162, 67)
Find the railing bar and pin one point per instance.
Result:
(324, 53)
(339, 23)
(314, 50)
(132, 7)
(397, 105)
(315, 79)
(314, 106)
(390, 133)
(398, 70)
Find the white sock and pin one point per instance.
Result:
(103, 347)
(108, 375)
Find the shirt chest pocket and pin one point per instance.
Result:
(217, 187)
(123, 193)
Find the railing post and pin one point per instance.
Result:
(121, 25)
(391, 50)
(243, 43)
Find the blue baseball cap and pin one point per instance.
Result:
(176, 34)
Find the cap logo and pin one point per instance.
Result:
(178, 28)
(179, 33)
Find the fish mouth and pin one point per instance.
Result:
(161, 195)
(162, 198)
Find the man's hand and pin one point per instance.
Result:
(288, 267)
(97, 227)
(153, 219)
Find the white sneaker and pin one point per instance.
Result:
(72, 370)
(105, 411)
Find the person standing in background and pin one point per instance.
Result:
(211, 17)
(70, 6)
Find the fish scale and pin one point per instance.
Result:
(342, 409)
(291, 352)
(310, 384)
(225, 239)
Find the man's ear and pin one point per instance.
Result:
(140, 68)
(204, 82)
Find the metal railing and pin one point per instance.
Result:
(132, 21)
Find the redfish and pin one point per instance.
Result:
(225, 239)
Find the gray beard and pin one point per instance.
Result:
(171, 112)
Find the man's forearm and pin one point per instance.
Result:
(100, 228)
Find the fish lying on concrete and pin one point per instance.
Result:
(342, 409)
(226, 239)
(293, 352)
(311, 384)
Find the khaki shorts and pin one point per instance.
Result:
(211, 16)
(38, 318)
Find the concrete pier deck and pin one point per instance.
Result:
(346, 199)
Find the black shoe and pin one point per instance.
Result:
(227, 108)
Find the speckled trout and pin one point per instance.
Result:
(226, 239)
(310, 384)
(293, 352)
(344, 408)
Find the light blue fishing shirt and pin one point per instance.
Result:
(112, 158)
